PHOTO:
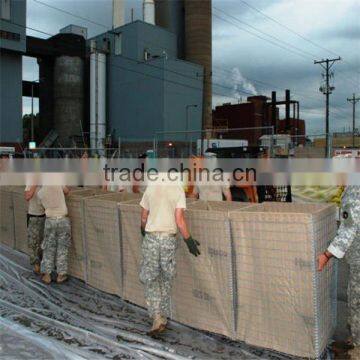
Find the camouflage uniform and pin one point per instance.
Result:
(157, 271)
(57, 237)
(348, 241)
(35, 233)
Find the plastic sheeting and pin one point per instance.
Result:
(73, 321)
(283, 303)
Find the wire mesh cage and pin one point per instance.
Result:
(7, 227)
(20, 219)
(283, 303)
(203, 294)
(103, 241)
(75, 205)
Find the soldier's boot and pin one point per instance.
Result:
(354, 353)
(159, 325)
(46, 278)
(61, 278)
(37, 268)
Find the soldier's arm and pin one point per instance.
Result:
(66, 190)
(181, 223)
(30, 193)
(144, 217)
(343, 240)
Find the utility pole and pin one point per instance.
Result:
(327, 90)
(353, 100)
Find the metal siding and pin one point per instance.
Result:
(10, 98)
(17, 25)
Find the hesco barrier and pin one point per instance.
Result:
(283, 302)
(75, 204)
(130, 223)
(7, 226)
(20, 219)
(103, 242)
(203, 293)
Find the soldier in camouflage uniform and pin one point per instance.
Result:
(57, 233)
(35, 230)
(162, 213)
(347, 242)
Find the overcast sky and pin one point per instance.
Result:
(251, 52)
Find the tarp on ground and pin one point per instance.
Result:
(283, 302)
(104, 262)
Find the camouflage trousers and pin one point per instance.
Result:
(354, 302)
(157, 271)
(57, 237)
(35, 234)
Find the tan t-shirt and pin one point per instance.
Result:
(35, 206)
(53, 200)
(211, 192)
(161, 201)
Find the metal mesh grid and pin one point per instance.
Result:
(103, 242)
(75, 205)
(20, 219)
(283, 303)
(7, 228)
(203, 294)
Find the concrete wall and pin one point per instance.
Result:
(16, 25)
(10, 97)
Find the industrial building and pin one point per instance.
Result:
(259, 114)
(12, 47)
(127, 84)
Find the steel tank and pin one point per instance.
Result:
(68, 98)
(198, 48)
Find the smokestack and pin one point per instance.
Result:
(287, 109)
(273, 110)
(118, 13)
(170, 15)
(149, 11)
(198, 47)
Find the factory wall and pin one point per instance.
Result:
(13, 30)
(11, 129)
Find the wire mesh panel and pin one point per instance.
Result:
(20, 219)
(133, 290)
(103, 242)
(75, 205)
(283, 303)
(203, 293)
(7, 229)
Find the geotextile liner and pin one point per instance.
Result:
(75, 205)
(104, 262)
(7, 226)
(203, 291)
(20, 219)
(283, 302)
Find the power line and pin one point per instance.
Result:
(354, 100)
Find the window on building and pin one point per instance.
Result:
(5, 9)
(118, 44)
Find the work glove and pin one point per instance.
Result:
(192, 245)
(143, 232)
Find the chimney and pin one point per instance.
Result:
(118, 13)
(287, 109)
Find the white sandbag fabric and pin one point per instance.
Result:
(7, 227)
(20, 219)
(283, 302)
(103, 243)
(75, 205)
(130, 224)
(203, 292)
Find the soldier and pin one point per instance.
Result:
(347, 242)
(162, 213)
(57, 233)
(35, 228)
